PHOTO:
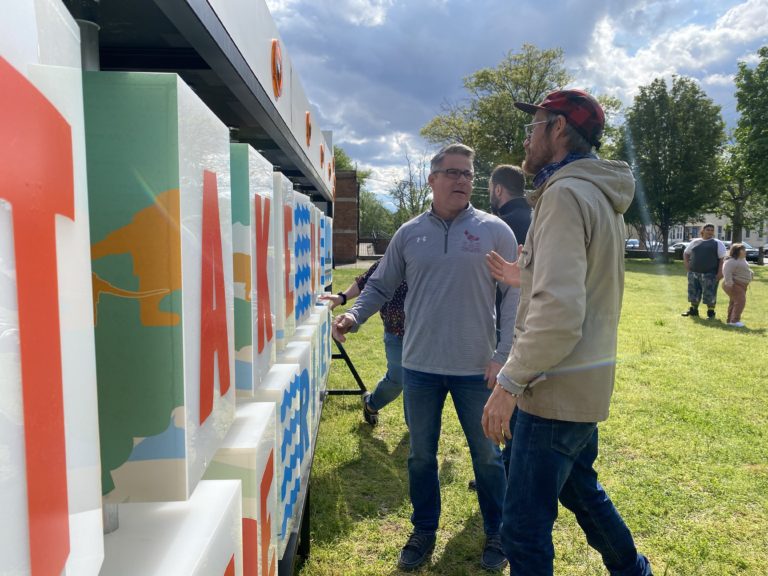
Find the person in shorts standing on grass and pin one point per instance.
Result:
(393, 316)
(450, 342)
(558, 379)
(703, 259)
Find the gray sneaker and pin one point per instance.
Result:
(416, 551)
(369, 414)
(493, 556)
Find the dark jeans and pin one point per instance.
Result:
(391, 384)
(552, 460)
(424, 395)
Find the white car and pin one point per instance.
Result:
(673, 247)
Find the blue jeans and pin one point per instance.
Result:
(391, 384)
(424, 396)
(551, 460)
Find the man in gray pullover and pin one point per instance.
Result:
(450, 341)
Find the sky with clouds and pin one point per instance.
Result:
(379, 70)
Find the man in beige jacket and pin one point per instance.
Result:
(560, 372)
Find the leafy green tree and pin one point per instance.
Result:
(375, 220)
(488, 121)
(741, 201)
(672, 138)
(342, 161)
(745, 165)
(611, 140)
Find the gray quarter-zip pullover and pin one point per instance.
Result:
(450, 316)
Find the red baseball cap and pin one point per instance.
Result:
(581, 110)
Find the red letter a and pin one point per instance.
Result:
(213, 313)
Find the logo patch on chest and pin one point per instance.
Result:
(471, 243)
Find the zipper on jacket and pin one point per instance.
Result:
(446, 227)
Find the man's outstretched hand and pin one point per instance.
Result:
(503, 271)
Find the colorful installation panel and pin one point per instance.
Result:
(322, 317)
(310, 334)
(161, 234)
(302, 226)
(50, 493)
(328, 251)
(281, 387)
(314, 238)
(299, 352)
(253, 266)
(248, 455)
(285, 261)
(323, 250)
(265, 280)
(199, 537)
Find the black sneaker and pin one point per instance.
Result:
(416, 551)
(472, 485)
(691, 312)
(369, 414)
(493, 556)
(710, 314)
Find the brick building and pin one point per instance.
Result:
(346, 217)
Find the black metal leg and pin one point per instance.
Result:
(342, 355)
(303, 548)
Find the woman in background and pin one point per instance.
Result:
(736, 278)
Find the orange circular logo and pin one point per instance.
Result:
(277, 69)
(309, 127)
(322, 156)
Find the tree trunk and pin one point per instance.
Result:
(737, 223)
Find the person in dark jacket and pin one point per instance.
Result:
(506, 188)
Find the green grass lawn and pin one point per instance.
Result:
(684, 454)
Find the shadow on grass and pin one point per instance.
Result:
(718, 324)
(655, 268)
(462, 552)
(460, 556)
(368, 487)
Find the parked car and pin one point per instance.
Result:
(673, 247)
(751, 251)
(632, 244)
(650, 245)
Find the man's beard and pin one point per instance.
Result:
(535, 160)
(494, 204)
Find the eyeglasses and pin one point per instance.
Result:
(455, 173)
(529, 128)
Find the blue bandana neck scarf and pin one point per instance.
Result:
(543, 175)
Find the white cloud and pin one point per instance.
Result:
(364, 12)
(709, 53)
(718, 80)
(367, 13)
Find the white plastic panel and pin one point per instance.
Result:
(199, 537)
(160, 224)
(49, 490)
(281, 387)
(248, 455)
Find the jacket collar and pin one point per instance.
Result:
(468, 210)
(512, 205)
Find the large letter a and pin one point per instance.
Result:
(213, 313)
